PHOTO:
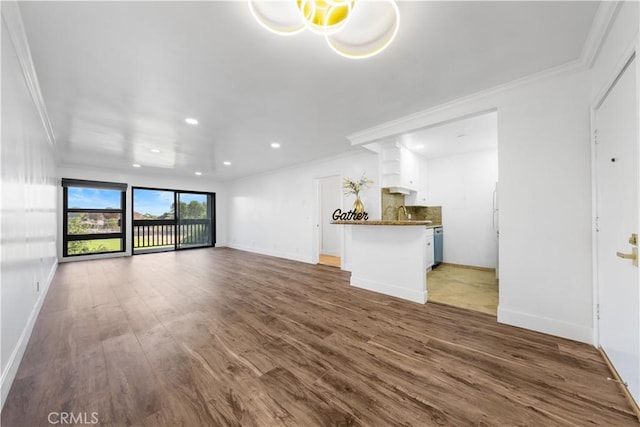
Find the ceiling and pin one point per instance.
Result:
(119, 78)
(476, 133)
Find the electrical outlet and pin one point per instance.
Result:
(37, 286)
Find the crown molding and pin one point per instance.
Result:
(12, 20)
(599, 28)
(421, 118)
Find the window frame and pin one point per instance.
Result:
(96, 185)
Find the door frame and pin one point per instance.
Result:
(631, 51)
(317, 217)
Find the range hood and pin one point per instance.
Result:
(399, 190)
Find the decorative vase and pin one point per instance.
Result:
(358, 207)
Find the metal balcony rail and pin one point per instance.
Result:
(154, 233)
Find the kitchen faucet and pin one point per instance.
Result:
(402, 208)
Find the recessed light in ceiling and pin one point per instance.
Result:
(226, 163)
(155, 150)
(135, 165)
(420, 146)
(275, 145)
(462, 135)
(191, 121)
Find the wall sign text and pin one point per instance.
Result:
(349, 216)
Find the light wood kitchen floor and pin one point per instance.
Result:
(331, 260)
(220, 337)
(462, 287)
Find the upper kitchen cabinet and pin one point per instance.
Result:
(419, 197)
(399, 169)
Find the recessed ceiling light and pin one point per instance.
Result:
(135, 165)
(462, 135)
(226, 163)
(191, 121)
(275, 145)
(155, 150)
(198, 173)
(420, 146)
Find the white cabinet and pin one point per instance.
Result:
(408, 169)
(419, 197)
(430, 249)
(399, 168)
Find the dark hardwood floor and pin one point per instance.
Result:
(219, 337)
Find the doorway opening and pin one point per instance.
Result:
(168, 220)
(459, 164)
(330, 198)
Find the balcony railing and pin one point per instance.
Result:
(159, 234)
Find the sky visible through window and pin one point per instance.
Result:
(157, 202)
(93, 198)
(153, 202)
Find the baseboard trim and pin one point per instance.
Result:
(384, 288)
(546, 325)
(618, 379)
(273, 253)
(469, 267)
(9, 373)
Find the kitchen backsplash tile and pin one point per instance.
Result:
(390, 204)
(392, 201)
(426, 213)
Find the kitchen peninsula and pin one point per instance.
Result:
(389, 257)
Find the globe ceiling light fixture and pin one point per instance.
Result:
(279, 17)
(351, 28)
(325, 17)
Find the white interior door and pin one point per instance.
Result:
(617, 155)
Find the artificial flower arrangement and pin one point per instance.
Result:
(354, 187)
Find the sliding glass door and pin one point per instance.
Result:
(193, 220)
(166, 220)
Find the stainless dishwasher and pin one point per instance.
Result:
(437, 245)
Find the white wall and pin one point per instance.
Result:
(330, 200)
(463, 185)
(28, 207)
(276, 213)
(545, 204)
(138, 178)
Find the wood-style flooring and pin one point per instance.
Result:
(331, 260)
(464, 287)
(219, 337)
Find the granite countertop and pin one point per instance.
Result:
(429, 224)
